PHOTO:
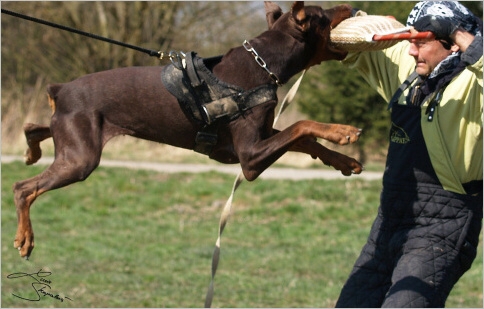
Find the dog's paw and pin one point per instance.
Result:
(24, 243)
(348, 166)
(339, 133)
(347, 135)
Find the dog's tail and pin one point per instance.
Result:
(52, 90)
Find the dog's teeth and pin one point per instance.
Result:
(348, 137)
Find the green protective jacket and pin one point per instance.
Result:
(454, 137)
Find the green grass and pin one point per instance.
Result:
(127, 238)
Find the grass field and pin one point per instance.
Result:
(127, 238)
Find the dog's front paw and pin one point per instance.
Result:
(340, 133)
(348, 166)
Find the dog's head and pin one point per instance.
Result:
(312, 25)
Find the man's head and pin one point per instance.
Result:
(442, 18)
(428, 53)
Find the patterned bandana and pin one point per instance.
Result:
(447, 9)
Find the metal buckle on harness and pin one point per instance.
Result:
(207, 117)
(176, 59)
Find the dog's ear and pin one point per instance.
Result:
(299, 14)
(273, 12)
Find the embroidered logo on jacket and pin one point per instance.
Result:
(398, 135)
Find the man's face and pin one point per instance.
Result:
(428, 54)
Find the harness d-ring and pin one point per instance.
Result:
(176, 59)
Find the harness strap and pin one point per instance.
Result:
(192, 107)
(474, 187)
(191, 79)
(432, 105)
(191, 72)
(233, 106)
(402, 88)
(228, 109)
(206, 139)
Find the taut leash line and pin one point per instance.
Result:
(150, 52)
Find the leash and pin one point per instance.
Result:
(150, 52)
(224, 217)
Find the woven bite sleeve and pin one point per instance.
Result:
(356, 34)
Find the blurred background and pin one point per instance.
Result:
(34, 55)
(128, 238)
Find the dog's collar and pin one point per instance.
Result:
(248, 47)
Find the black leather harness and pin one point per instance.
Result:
(208, 100)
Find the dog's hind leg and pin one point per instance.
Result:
(78, 146)
(34, 134)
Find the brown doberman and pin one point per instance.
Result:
(232, 127)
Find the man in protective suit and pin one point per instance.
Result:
(425, 235)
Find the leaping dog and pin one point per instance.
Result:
(221, 106)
